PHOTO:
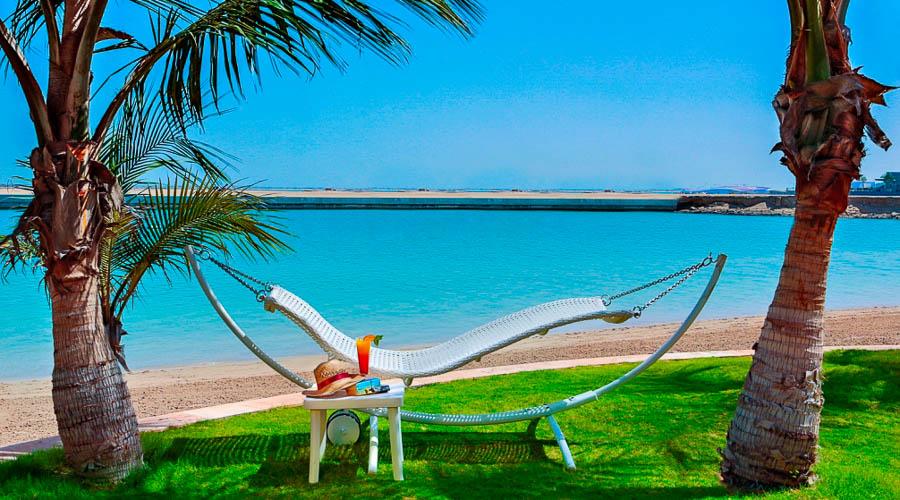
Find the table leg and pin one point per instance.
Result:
(315, 436)
(396, 442)
(373, 444)
(324, 439)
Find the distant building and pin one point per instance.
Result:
(891, 182)
(865, 186)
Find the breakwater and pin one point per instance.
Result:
(601, 201)
(439, 200)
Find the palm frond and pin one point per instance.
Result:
(177, 213)
(26, 19)
(145, 138)
(123, 41)
(19, 252)
(14, 60)
(193, 47)
(21, 248)
(29, 17)
(120, 226)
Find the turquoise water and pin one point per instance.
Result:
(423, 276)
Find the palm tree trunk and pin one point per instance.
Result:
(823, 108)
(774, 435)
(97, 422)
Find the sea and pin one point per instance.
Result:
(423, 276)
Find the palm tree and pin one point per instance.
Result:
(196, 206)
(823, 109)
(195, 57)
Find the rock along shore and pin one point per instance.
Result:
(861, 207)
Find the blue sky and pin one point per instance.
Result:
(593, 95)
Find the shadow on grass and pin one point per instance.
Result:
(856, 379)
(681, 378)
(492, 467)
(456, 448)
(284, 458)
(40, 465)
(494, 458)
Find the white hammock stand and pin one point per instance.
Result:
(463, 349)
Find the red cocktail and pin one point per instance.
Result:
(363, 349)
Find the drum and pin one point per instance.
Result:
(343, 428)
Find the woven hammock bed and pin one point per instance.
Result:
(460, 350)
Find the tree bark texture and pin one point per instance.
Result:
(74, 196)
(97, 422)
(774, 435)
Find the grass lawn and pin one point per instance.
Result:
(656, 436)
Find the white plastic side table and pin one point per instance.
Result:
(318, 407)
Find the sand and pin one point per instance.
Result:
(26, 410)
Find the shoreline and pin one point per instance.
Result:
(870, 206)
(26, 406)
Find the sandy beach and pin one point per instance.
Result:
(26, 410)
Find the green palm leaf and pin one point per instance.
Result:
(26, 20)
(146, 138)
(19, 252)
(177, 213)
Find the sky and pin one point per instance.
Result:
(580, 95)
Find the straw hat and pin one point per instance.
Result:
(332, 376)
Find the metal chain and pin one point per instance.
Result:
(241, 277)
(685, 274)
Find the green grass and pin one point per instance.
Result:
(656, 436)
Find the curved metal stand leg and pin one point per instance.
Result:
(563, 445)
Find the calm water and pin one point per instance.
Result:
(423, 276)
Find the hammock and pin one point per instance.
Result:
(464, 348)
(449, 355)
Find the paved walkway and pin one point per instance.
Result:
(187, 417)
